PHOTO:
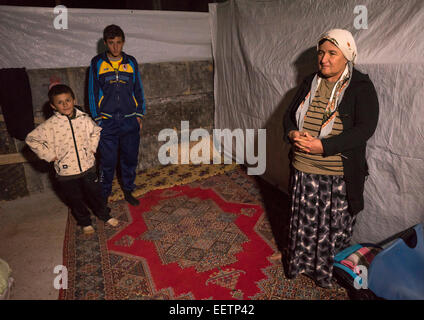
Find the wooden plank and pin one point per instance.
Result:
(14, 158)
(37, 120)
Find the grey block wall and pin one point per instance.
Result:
(174, 91)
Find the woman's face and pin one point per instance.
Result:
(331, 61)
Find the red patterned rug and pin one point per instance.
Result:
(210, 239)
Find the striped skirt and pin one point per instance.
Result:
(320, 225)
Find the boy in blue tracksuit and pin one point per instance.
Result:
(117, 104)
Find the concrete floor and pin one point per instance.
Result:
(32, 231)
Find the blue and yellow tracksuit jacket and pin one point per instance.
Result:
(112, 92)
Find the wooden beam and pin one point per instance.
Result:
(15, 158)
(37, 120)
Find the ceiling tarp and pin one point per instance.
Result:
(263, 49)
(30, 38)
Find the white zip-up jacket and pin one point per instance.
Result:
(71, 143)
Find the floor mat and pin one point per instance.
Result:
(208, 239)
(168, 176)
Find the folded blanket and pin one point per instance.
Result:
(5, 279)
(362, 256)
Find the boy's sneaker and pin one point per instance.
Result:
(130, 199)
(88, 230)
(113, 222)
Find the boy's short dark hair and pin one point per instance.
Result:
(59, 89)
(113, 31)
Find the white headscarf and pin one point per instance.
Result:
(343, 40)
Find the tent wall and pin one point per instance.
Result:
(263, 49)
(31, 40)
(173, 91)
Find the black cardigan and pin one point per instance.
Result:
(358, 111)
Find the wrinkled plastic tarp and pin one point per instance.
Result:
(30, 40)
(263, 49)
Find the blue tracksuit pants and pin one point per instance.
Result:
(119, 134)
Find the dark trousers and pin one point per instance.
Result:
(119, 134)
(83, 191)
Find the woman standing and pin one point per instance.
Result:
(333, 114)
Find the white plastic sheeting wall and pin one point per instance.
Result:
(30, 40)
(263, 49)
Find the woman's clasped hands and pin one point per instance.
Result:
(303, 141)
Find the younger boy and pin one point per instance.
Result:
(70, 138)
